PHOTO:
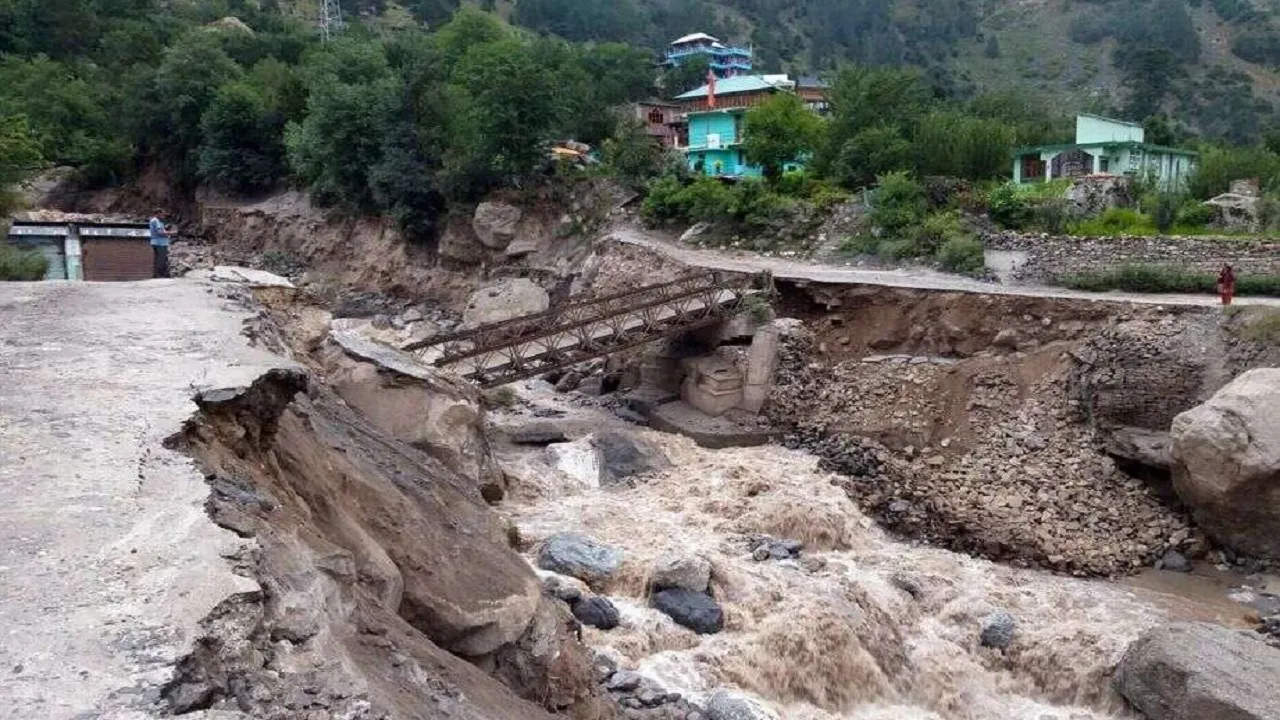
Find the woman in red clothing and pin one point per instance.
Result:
(1227, 284)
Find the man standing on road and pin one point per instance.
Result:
(159, 245)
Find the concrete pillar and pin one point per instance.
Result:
(1097, 162)
(1048, 165)
(1017, 169)
(762, 360)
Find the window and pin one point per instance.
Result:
(655, 116)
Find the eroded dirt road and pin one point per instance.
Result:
(107, 558)
(916, 278)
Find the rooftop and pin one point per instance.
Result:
(1110, 120)
(695, 37)
(740, 84)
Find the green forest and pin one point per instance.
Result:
(406, 118)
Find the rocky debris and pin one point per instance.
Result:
(696, 611)
(598, 612)
(569, 382)
(503, 300)
(1192, 671)
(495, 224)
(578, 556)
(997, 630)
(641, 698)
(1174, 561)
(1226, 468)
(539, 431)
(1149, 448)
(676, 569)
(727, 705)
(695, 232)
(1025, 483)
(768, 548)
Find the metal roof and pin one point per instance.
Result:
(738, 84)
(693, 38)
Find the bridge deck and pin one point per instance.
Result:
(500, 353)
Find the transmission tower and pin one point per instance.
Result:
(330, 19)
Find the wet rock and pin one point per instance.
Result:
(563, 587)
(579, 556)
(597, 612)
(623, 456)
(1174, 561)
(726, 705)
(604, 667)
(579, 460)
(569, 382)
(1226, 460)
(761, 553)
(1193, 671)
(696, 611)
(676, 570)
(624, 681)
(494, 223)
(997, 630)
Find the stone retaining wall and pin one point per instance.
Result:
(1042, 258)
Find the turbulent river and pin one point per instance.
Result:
(864, 626)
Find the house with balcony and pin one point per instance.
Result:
(714, 119)
(661, 120)
(726, 61)
(1104, 146)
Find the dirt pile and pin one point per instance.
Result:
(984, 454)
(388, 585)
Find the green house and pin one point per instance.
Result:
(1104, 147)
(715, 144)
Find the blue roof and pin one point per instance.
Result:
(728, 86)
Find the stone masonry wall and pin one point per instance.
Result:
(1052, 256)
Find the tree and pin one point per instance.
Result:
(186, 83)
(869, 154)
(243, 147)
(778, 131)
(862, 98)
(992, 49)
(19, 156)
(690, 74)
(632, 155)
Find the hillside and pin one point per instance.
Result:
(1211, 65)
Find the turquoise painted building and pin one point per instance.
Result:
(1104, 147)
(715, 144)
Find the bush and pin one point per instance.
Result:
(1009, 207)
(1050, 214)
(935, 231)
(1194, 214)
(962, 254)
(1164, 210)
(899, 203)
(757, 207)
(1116, 221)
(1167, 279)
(21, 265)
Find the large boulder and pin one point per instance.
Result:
(696, 611)
(411, 402)
(579, 556)
(1226, 463)
(1192, 671)
(495, 224)
(623, 456)
(504, 300)
(680, 570)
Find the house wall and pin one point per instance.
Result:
(1098, 130)
(724, 124)
(732, 163)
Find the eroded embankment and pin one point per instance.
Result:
(987, 423)
(388, 587)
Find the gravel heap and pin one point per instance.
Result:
(996, 470)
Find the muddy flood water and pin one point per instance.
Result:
(863, 626)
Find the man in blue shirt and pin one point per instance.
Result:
(160, 245)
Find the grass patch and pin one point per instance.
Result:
(1166, 279)
(1261, 325)
(16, 264)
